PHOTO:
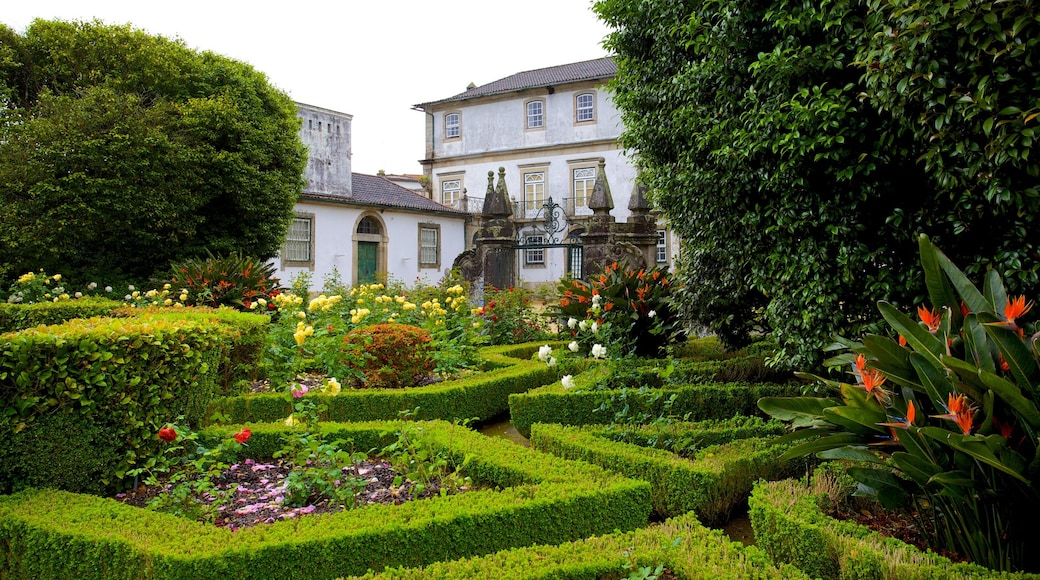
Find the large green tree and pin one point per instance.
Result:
(121, 151)
(792, 148)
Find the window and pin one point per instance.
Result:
(451, 190)
(585, 107)
(368, 225)
(452, 126)
(429, 246)
(535, 114)
(662, 247)
(299, 243)
(534, 190)
(535, 256)
(584, 181)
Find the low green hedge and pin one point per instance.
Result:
(693, 402)
(21, 316)
(242, 350)
(534, 498)
(790, 525)
(105, 385)
(712, 483)
(481, 396)
(682, 545)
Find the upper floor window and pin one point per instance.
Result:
(584, 181)
(534, 256)
(534, 190)
(535, 114)
(452, 126)
(585, 107)
(451, 190)
(662, 247)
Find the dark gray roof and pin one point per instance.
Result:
(600, 68)
(376, 191)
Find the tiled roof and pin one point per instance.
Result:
(600, 68)
(374, 190)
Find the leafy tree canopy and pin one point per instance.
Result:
(121, 151)
(800, 148)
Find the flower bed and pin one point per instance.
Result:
(482, 395)
(539, 499)
(791, 527)
(715, 479)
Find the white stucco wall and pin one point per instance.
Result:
(334, 245)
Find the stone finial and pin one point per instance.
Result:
(496, 202)
(638, 203)
(601, 201)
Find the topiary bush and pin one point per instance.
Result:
(396, 355)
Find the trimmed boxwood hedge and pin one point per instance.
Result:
(481, 396)
(718, 478)
(113, 380)
(682, 545)
(21, 316)
(790, 525)
(695, 402)
(535, 498)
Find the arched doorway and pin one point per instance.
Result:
(369, 248)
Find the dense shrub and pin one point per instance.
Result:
(629, 311)
(509, 317)
(396, 355)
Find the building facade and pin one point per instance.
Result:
(549, 128)
(362, 227)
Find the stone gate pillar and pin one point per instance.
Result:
(497, 236)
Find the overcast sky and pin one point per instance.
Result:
(373, 59)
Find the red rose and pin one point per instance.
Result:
(168, 434)
(243, 436)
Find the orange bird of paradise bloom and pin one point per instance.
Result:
(931, 318)
(911, 414)
(961, 412)
(1016, 308)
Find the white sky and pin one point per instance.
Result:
(373, 59)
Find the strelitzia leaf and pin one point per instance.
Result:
(859, 398)
(893, 360)
(884, 485)
(792, 408)
(822, 444)
(994, 290)
(971, 296)
(956, 478)
(1008, 392)
(850, 454)
(939, 291)
(916, 336)
(968, 374)
(933, 377)
(860, 421)
(1016, 353)
(975, 447)
(978, 348)
(916, 468)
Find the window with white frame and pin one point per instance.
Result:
(585, 107)
(534, 190)
(452, 126)
(299, 242)
(535, 114)
(429, 246)
(584, 181)
(534, 256)
(662, 247)
(451, 191)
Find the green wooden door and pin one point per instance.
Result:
(366, 262)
